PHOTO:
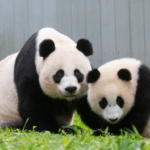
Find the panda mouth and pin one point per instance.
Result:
(113, 121)
(69, 95)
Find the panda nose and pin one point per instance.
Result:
(113, 120)
(71, 89)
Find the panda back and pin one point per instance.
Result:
(8, 95)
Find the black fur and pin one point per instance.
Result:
(46, 47)
(33, 103)
(93, 76)
(78, 75)
(58, 76)
(137, 116)
(120, 101)
(87, 115)
(103, 103)
(85, 47)
(124, 74)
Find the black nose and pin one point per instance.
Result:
(71, 89)
(113, 120)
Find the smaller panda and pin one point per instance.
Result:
(119, 96)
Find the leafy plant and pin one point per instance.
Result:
(32, 140)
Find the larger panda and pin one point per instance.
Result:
(40, 84)
(119, 96)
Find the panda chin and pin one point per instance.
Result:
(113, 122)
(70, 97)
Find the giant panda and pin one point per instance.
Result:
(119, 97)
(41, 83)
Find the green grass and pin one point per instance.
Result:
(20, 140)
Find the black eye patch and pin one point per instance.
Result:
(120, 101)
(78, 75)
(58, 76)
(103, 103)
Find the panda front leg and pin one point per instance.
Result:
(107, 129)
(37, 117)
(91, 119)
(98, 132)
(41, 124)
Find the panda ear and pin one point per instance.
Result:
(93, 76)
(85, 47)
(46, 47)
(124, 74)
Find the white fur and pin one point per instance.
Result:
(71, 61)
(110, 86)
(65, 57)
(58, 38)
(8, 95)
(112, 112)
(70, 81)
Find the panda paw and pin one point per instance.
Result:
(98, 132)
(74, 129)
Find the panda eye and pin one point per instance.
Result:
(60, 73)
(78, 75)
(120, 101)
(58, 76)
(103, 103)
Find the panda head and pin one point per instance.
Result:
(112, 88)
(62, 67)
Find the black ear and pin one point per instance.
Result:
(93, 76)
(124, 74)
(85, 47)
(46, 47)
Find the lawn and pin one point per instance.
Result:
(20, 140)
